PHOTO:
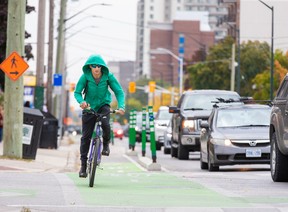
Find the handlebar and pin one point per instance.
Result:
(92, 111)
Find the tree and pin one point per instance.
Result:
(255, 59)
(261, 82)
(214, 73)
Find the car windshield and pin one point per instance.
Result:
(164, 115)
(206, 101)
(243, 117)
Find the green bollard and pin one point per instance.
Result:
(130, 128)
(143, 135)
(111, 132)
(152, 133)
(133, 131)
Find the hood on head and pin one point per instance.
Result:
(95, 59)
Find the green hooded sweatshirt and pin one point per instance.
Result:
(98, 95)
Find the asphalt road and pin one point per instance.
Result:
(123, 185)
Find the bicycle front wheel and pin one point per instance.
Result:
(95, 153)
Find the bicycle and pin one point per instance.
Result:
(94, 158)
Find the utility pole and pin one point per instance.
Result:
(232, 84)
(13, 95)
(60, 63)
(39, 89)
(49, 90)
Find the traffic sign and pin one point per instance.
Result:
(57, 79)
(14, 66)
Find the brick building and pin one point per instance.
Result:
(164, 66)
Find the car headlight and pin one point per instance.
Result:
(224, 142)
(189, 124)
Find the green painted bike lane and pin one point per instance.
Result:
(125, 184)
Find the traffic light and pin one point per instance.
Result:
(132, 87)
(152, 86)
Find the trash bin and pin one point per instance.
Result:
(49, 134)
(32, 126)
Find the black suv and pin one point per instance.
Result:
(193, 107)
(279, 134)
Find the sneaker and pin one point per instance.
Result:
(106, 150)
(82, 172)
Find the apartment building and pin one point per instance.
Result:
(164, 11)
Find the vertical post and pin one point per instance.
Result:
(130, 128)
(152, 134)
(180, 59)
(232, 84)
(272, 56)
(111, 132)
(39, 89)
(133, 141)
(50, 57)
(143, 135)
(13, 104)
(238, 66)
(59, 58)
(272, 50)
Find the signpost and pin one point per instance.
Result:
(14, 66)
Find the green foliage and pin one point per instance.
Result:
(255, 59)
(215, 72)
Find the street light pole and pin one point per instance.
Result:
(272, 50)
(180, 64)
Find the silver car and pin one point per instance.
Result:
(235, 135)
(167, 138)
(161, 121)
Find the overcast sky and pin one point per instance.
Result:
(112, 34)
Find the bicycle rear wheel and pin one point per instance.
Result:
(93, 164)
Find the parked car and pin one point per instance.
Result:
(118, 130)
(279, 134)
(193, 107)
(167, 139)
(236, 134)
(161, 121)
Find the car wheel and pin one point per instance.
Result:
(278, 162)
(203, 165)
(183, 153)
(211, 166)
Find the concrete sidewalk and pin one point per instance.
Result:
(63, 159)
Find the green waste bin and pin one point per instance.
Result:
(32, 127)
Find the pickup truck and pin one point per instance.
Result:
(278, 134)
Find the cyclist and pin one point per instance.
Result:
(92, 91)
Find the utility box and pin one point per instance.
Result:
(49, 134)
(32, 127)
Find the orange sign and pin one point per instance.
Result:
(14, 66)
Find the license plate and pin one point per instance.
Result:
(253, 153)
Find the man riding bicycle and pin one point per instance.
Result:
(92, 91)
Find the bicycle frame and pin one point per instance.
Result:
(94, 158)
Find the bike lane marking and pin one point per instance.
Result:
(125, 184)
